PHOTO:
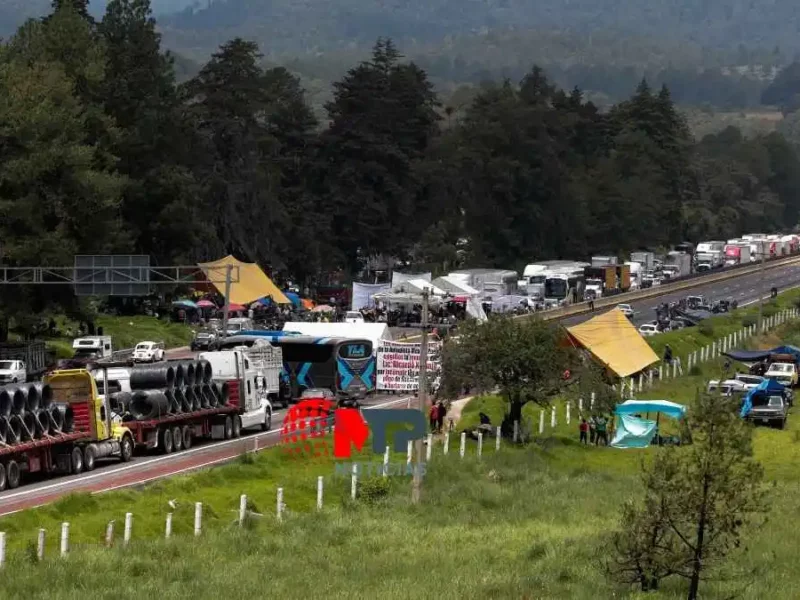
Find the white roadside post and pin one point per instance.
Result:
(409, 452)
(110, 534)
(279, 504)
(497, 439)
(553, 417)
(198, 518)
(40, 545)
(463, 448)
(386, 462)
(168, 526)
(568, 415)
(354, 482)
(126, 536)
(446, 443)
(429, 449)
(480, 444)
(243, 506)
(2, 549)
(541, 421)
(321, 490)
(64, 539)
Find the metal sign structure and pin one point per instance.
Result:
(117, 275)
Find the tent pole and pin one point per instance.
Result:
(228, 269)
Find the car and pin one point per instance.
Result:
(649, 329)
(317, 393)
(783, 373)
(771, 410)
(626, 309)
(149, 352)
(203, 340)
(353, 316)
(12, 371)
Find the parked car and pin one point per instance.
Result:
(149, 352)
(783, 373)
(770, 410)
(317, 393)
(353, 316)
(12, 371)
(649, 329)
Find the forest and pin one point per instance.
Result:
(102, 151)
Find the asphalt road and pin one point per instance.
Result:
(110, 474)
(745, 289)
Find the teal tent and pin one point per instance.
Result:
(635, 432)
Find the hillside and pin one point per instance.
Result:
(310, 26)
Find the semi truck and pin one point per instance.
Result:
(607, 279)
(737, 254)
(96, 427)
(90, 434)
(646, 259)
(678, 264)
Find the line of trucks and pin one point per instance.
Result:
(74, 417)
(557, 282)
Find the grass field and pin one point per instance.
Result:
(528, 522)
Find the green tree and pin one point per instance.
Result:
(698, 499)
(524, 359)
(382, 119)
(154, 145)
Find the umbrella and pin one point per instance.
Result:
(293, 297)
(233, 307)
(206, 304)
(184, 304)
(307, 304)
(323, 308)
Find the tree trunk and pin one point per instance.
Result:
(697, 561)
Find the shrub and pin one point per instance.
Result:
(705, 328)
(373, 489)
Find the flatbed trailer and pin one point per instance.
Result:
(172, 433)
(93, 435)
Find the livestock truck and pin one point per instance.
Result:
(73, 424)
(33, 354)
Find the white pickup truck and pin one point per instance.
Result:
(12, 371)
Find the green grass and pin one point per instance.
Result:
(126, 332)
(528, 522)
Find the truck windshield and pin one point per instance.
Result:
(537, 279)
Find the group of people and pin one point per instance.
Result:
(594, 430)
(436, 416)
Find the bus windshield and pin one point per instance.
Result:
(555, 288)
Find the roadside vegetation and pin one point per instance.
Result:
(528, 520)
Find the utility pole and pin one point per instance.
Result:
(228, 269)
(422, 395)
(761, 290)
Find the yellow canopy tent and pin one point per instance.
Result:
(252, 283)
(613, 340)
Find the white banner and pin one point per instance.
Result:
(363, 292)
(398, 365)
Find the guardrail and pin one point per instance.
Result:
(684, 283)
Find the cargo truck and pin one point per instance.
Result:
(646, 259)
(737, 254)
(34, 354)
(678, 264)
(251, 377)
(86, 433)
(611, 278)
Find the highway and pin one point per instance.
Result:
(110, 474)
(745, 289)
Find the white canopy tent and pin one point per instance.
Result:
(415, 286)
(455, 286)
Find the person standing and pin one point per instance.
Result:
(600, 425)
(440, 414)
(584, 430)
(433, 417)
(592, 429)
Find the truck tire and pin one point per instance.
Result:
(89, 457)
(228, 433)
(126, 448)
(237, 426)
(76, 461)
(3, 478)
(267, 424)
(186, 434)
(165, 440)
(12, 475)
(177, 438)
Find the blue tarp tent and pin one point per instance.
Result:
(635, 432)
(752, 356)
(766, 387)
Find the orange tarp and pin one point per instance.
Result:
(251, 284)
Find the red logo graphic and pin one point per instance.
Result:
(305, 427)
